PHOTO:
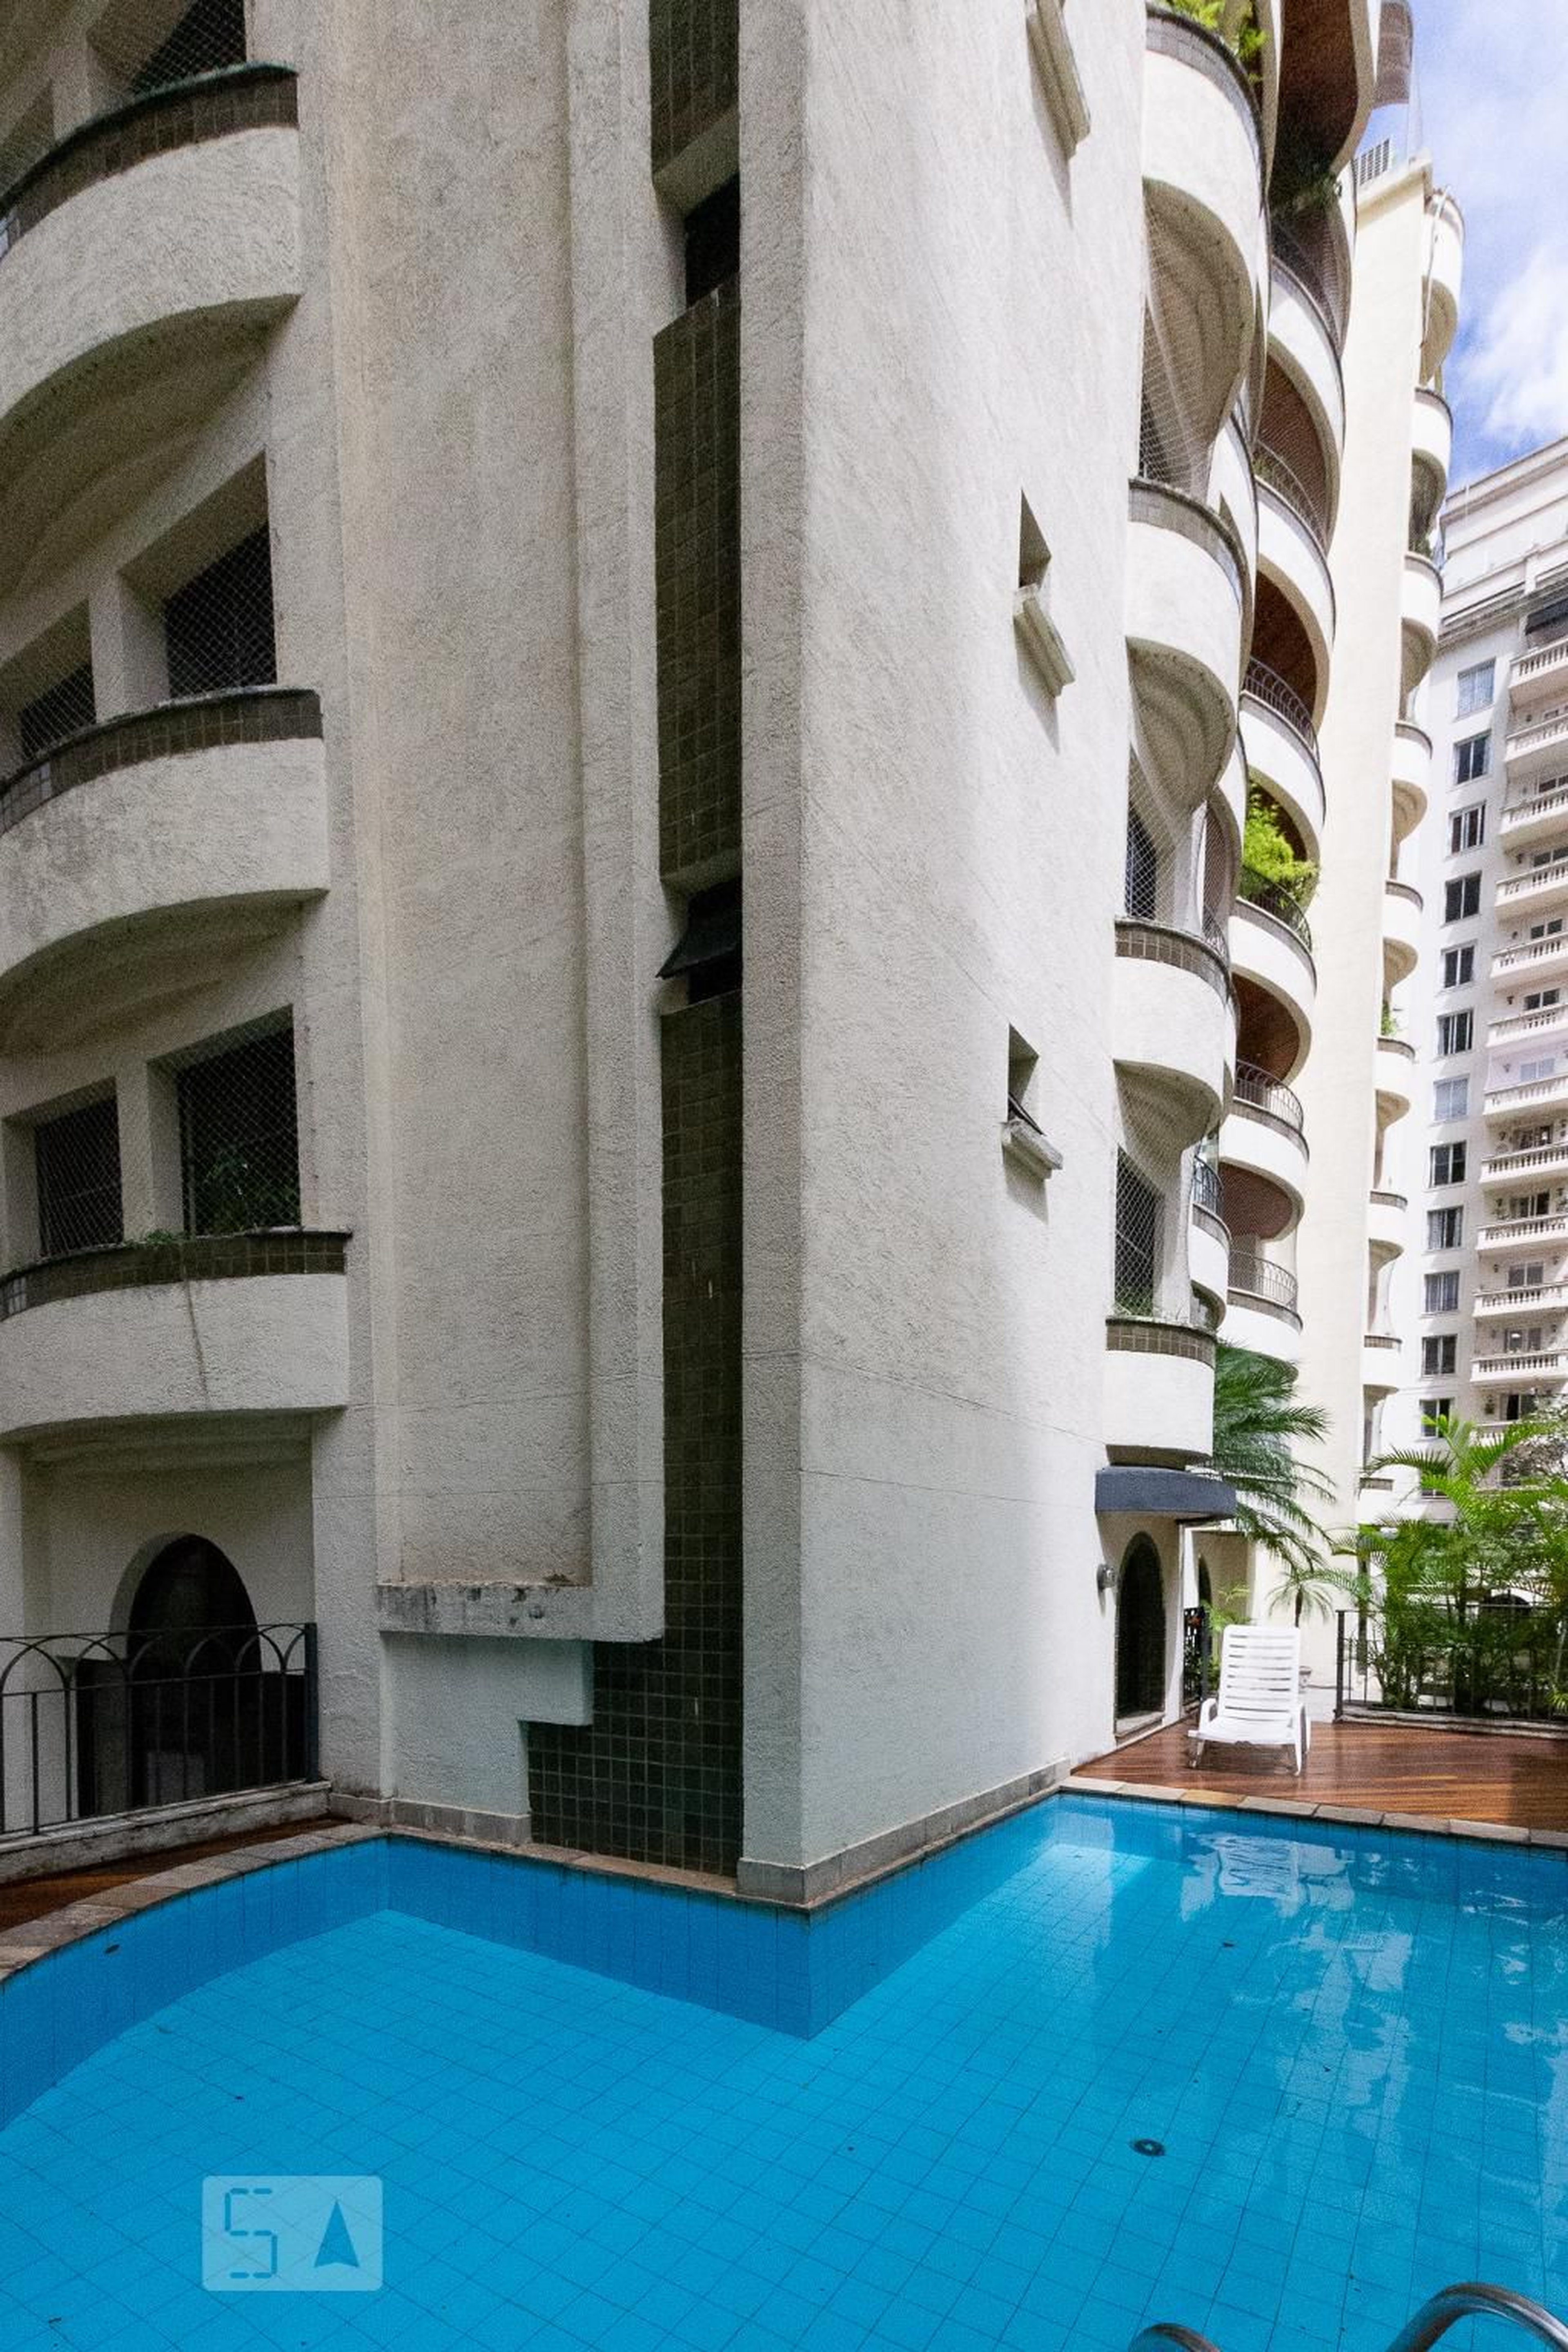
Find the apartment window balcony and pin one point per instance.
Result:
(1272, 693)
(1547, 1298)
(1544, 1161)
(1292, 556)
(1432, 450)
(162, 236)
(1282, 746)
(1537, 752)
(1540, 678)
(1420, 619)
(1538, 958)
(1542, 815)
(1269, 1098)
(1444, 276)
(1387, 1215)
(1511, 1232)
(1280, 905)
(1174, 1020)
(1401, 932)
(1276, 473)
(1159, 1391)
(1540, 1096)
(1545, 1368)
(1319, 267)
(1542, 885)
(1412, 777)
(1262, 1284)
(116, 846)
(1185, 595)
(213, 1325)
(1301, 339)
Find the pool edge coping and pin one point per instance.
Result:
(1304, 1809)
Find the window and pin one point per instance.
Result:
(1440, 1295)
(1456, 1032)
(1444, 1227)
(1532, 1074)
(76, 1162)
(1451, 1099)
(1142, 873)
(1476, 685)
(52, 716)
(1541, 999)
(1458, 967)
(1437, 1354)
(1139, 1215)
(1529, 1276)
(1523, 1338)
(1435, 1408)
(1521, 1405)
(1550, 929)
(239, 1147)
(217, 628)
(1445, 1164)
(1472, 757)
(1523, 1205)
(1468, 828)
(1461, 898)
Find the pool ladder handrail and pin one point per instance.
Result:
(1471, 2299)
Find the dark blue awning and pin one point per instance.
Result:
(1138, 1491)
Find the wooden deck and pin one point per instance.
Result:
(1510, 1781)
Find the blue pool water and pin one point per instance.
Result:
(1352, 2047)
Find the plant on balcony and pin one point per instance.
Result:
(237, 1194)
(1305, 184)
(1388, 1022)
(1269, 854)
(1259, 1424)
(1238, 28)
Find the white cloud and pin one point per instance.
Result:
(1491, 114)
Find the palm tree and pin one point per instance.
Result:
(1259, 1423)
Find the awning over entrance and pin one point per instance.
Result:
(1138, 1491)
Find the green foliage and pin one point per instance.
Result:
(1267, 849)
(1242, 36)
(1473, 1602)
(1305, 183)
(1388, 1025)
(1259, 1424)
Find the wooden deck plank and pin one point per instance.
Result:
(1512, 1781)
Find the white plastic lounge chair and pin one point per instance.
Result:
(1260, 1702)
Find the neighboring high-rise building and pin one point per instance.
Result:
(632, 1077)
(1490, 1015)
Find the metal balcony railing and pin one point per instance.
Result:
(1273, 899)
(1207, 1190)
(94, 1724)
(1279, 475)
(1263, 1092)
(1260, 1278)
(1266, 686)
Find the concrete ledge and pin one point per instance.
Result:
(853, 1865)
(80, 1845)
(561, 1612)
(453, 1822)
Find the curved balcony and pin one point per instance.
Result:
(1185, 596)
(1291, 553)
(1530, 823)
(1233, 495)
(1173, 1023)
(1412, 774)
(1202, 191)
(1262, 1313)
(1271, 944)
(1228, 799)
(1420, 617)
(137, 850)
(1302, 344)
(1209, 1244)
(1401, 931)
(1380, 1353)
(1159, 1391)
(1445, 278)
(1432, 446)
(232, 1324)
(1395, 1079)
(160, 237)
(1281, 745)
(1264, 1134)
(1387, 1224)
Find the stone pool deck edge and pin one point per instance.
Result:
(21, 1947)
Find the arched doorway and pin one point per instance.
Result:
(1140, 1632)
(187, 1708)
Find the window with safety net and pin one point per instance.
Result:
(60, 710)
(1142, 879)
(1138, 1216)
(208, 36)
(239, 1136)
(76, 1166)
(217, 628)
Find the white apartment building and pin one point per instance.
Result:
(632, 1080)
(1490, 1015)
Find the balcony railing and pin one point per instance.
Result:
(1279, 475)
(252, 714)
(97, 1723)
(1508, 1232)
(1260, 1091)
(1513, 1364)
(1529, 665)
(1504, 1165)
(1262, 1283)
(1208, 1193)
(142, 1266)
(1266, 686)
(183, 114)
(1526, 1025)
(1535, 951)
(1538, 737)
(1551, 802)
(1382, 1199)
(1549, 1297)
(1273, 899)
(1539, 1091)
(1320, 276)
(1492, 1661)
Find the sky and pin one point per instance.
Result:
(1492, 109)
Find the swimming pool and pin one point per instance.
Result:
(914, 2122)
